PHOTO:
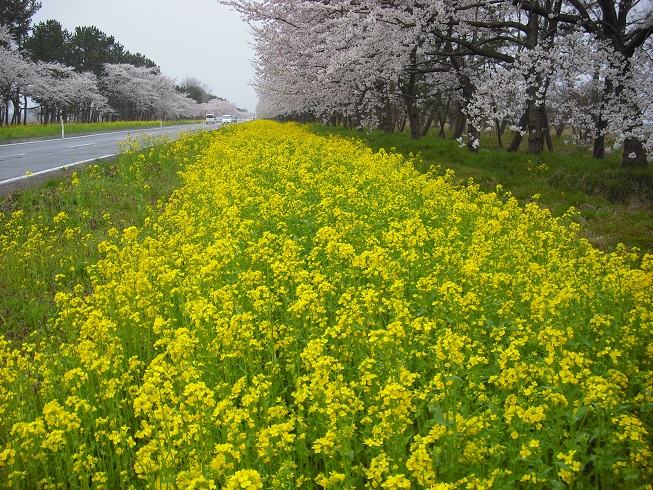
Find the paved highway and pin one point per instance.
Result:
(27, 160)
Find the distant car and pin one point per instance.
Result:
(210, 119)
(228, 119)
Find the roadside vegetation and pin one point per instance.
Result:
(265, 307)
(50, 234)
(44, 130)
(613, 205)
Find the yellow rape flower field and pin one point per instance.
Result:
(305, 313)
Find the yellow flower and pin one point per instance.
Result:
(396, 482)
(245, 480)
(568, 466)
(130, 233)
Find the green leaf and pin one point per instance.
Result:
(580, 414)
(438, 417)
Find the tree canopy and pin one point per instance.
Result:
(17, 15)
(526, 65)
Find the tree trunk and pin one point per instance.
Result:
(600, 122)
(413, 117)
(547, 137)
(428, 122)
(498, 127)
(401, 123)
(634, 154)
(461, 123)
(468, 89)
(534, 120)
(387, 118)
(598, 151)
(473, 133)
(409, 93)
(504, 125)
(518, 136)
(535, 129)
(538, 122)
(15, 118)
(408, 89)
(443, 119)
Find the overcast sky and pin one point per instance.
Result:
(194, 38)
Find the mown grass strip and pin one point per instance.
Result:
(304, 312)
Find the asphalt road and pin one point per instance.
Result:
(25, 163)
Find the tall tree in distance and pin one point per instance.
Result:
(17, 16)
(90, 49)
(141, 93)
(49, 43)
(136, 59)
(197, 90)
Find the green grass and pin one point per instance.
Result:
(614, 205)
(43, 130)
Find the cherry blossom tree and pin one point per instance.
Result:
(379, 53)
(17, 15)
(15, 73)
(623, 26)
(344, 61)
(295, 76)
(63, 93)
(218, 106)
(143, 93)
(367, 58)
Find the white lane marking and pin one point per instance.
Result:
(61, 167)
(4, 157)
(80, 146)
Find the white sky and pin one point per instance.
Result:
(195, 38)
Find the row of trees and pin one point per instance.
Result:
(86, 76)
(532, 66)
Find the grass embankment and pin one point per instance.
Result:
(304, 312)
(42, 130)
(614, 205)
